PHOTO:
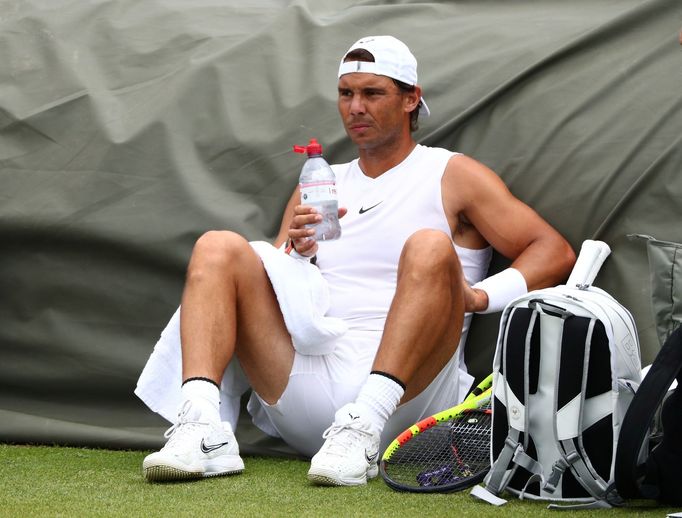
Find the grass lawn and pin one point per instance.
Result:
(57, 481)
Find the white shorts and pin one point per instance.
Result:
(319, 385)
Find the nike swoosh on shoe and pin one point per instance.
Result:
(371, 458)
(208, 448)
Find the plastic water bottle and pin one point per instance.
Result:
(318, 189)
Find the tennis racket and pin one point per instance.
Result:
(446, 452)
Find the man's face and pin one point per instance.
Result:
(373, 109)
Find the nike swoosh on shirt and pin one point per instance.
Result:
(208, 448)
(363, 210)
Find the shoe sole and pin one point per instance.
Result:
(325, 478)
(171, 474)
(160, 470)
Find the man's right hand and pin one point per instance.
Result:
(301, 236)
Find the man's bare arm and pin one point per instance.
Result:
(537, 250)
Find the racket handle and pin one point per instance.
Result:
(590, 259)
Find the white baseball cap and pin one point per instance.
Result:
(392, 58)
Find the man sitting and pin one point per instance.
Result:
(418, 224)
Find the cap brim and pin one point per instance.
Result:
(424, 109)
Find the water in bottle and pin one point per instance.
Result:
(318, 189)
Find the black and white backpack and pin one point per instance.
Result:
(566, 367)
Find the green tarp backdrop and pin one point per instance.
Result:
(129, 128)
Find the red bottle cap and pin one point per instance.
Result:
(313, 148)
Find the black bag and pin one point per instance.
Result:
(660, 476)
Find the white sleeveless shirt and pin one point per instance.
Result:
(361, 267)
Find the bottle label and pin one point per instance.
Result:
(317, 192)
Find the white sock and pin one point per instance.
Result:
(205, 399)
(378, 398)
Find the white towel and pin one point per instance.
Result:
(304, 299)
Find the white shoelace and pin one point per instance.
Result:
(339, 443)
(183, 427)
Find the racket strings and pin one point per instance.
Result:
(446, 454)
(471, 443)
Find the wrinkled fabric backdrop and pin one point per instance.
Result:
(129, 128)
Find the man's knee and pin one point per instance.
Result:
(430, 252)
(217, 250)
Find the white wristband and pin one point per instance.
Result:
(502, 288)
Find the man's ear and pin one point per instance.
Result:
(413, 99)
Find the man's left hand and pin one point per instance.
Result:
(474, 299)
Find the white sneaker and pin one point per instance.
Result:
(195, 449)
(349, 454)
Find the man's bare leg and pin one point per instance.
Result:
(422, 329)
(228, 308)
(421, 334)
(424, 323)
(228, 300)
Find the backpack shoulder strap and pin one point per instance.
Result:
(510, 387)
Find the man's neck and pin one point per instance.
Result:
(376, 161)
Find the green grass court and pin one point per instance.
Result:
(56, 481)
